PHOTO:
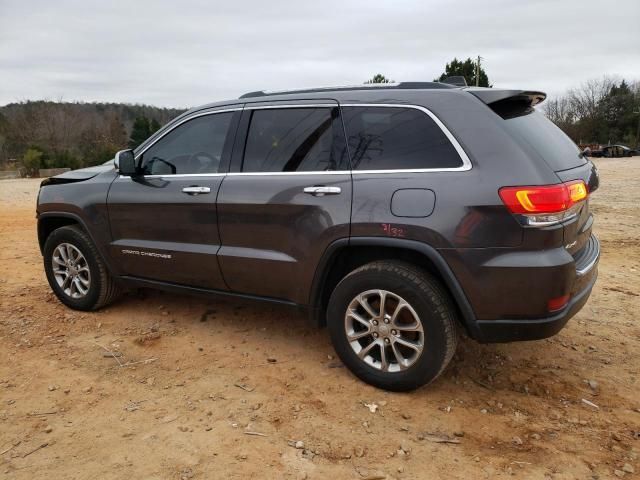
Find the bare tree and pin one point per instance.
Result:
(559, 110)
(585, 100)
(598, 111)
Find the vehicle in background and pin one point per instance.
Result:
(614, 151)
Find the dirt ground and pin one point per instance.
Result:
(201, 388)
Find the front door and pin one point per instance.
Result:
(286, 198)
(163, 222)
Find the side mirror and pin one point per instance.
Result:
(125, 163)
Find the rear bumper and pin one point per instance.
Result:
(509, 291)
(500, 331)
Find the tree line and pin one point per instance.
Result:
(599, 111)
(45, 134)
(468, 69)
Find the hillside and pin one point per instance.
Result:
(62, 134)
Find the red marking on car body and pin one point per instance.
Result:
(392, 231)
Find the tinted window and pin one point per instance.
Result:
(384, 138)
(294, 139)
(194, 147)
(541, 135)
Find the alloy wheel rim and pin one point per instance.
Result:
(71, 270)
(384, 330)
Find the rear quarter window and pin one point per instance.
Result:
(391, 138)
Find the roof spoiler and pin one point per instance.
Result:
(494, 95)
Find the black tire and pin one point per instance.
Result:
(429, 300)
(102, 288)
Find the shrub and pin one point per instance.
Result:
(32, 161)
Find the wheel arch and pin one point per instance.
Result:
(48, 222)
(345, 255)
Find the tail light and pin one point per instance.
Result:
(546, 204)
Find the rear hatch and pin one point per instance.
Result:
(545, 142)
(577, 232)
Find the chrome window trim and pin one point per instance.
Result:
(310, 172)
(239, 174)
(179, 175)
(466, 162)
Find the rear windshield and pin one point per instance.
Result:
(536, 132)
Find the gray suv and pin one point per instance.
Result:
(397, 215)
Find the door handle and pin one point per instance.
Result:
(321, 190)
(196, 190)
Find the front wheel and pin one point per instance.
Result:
(75, 270)
(393, 325)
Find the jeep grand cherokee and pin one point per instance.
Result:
(397, 215)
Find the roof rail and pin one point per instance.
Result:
(365, 86)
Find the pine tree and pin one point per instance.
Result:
(154, 126)
(140, 131)
(378, 78)
(466, 69)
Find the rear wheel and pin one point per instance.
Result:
(393, 325)
(75, 270)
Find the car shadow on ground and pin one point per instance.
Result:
(489, 368)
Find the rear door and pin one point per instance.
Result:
(286, 198)
(164, 221)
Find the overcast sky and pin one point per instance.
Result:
(187, 52)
